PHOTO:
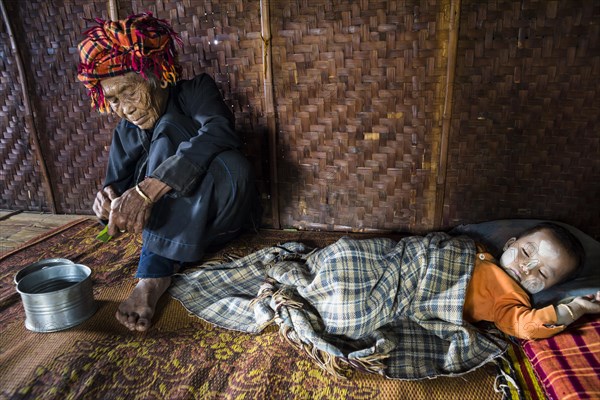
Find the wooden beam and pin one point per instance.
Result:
(447, 113)
(265, 22)
(113, 10)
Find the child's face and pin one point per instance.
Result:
(537, 261)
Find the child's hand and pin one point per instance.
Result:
(568, 313)
(589, 304)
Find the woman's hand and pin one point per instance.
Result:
(102, 202)
(131, 211)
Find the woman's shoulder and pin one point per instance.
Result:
(201, 81)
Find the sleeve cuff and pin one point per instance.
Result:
(180, 174)
(544, 328)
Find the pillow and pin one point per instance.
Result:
(494, 234)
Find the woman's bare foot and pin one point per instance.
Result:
(137, 311)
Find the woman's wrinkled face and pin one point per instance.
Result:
(537, 261)
(134, 98)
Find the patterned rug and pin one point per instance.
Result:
(180, 357)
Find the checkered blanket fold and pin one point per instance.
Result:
(393, 308)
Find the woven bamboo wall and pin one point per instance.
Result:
(526, 124)
(359, 92)
(73, 140)
(20, 181)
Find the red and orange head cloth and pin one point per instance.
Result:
(139, 43)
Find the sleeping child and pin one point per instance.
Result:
(407, 309)
(540, 258)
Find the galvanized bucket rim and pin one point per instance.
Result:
(87, 270)
(38, 266)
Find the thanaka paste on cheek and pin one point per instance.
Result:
(508, 257)
(547, 250)
(533, 284)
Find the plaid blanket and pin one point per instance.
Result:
(393, 308)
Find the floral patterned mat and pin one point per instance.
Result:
(180, 357)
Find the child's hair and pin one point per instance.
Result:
(568, 240)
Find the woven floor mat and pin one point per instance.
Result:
(180, 356)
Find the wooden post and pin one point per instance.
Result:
(265, 22)
(29, 119)
(447, 113)
(113, 10)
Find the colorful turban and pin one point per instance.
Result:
(138, 43)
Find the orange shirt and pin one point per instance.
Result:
(492, 295)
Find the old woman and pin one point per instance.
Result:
(175, 171)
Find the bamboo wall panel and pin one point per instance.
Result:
(358, 95)
(20, 180)
(526, 126)
(72, 139)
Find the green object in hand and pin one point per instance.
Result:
(103, 236)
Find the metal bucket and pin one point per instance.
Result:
(57, 297)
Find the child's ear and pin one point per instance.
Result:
(509, 243)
